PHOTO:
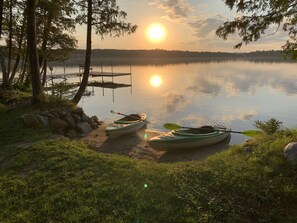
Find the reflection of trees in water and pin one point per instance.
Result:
(66, 90)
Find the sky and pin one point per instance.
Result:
(189, 25)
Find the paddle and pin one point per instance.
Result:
(249, 133)
(118, 113)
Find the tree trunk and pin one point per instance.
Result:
(2, 57)
(86, 73)
(10, 33)
(19, 50)
(44, 72)
(32, 51)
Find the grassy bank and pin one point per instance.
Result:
(65, 181)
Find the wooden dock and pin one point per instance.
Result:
(110, 85)
(93, 73)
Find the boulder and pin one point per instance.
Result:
(58, 123)
(72, 134)
(79, 111)
(84, 117)
(30, 120)
(76, 117)
(69, 119)
(43, 119)
(290, 151)
(83, 128)
(93, 124)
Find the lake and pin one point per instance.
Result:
(234, 92)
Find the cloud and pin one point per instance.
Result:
(174, 9)
(233, 80)
(239, 115)
(175, 101)
(203, 27)
(205, 86)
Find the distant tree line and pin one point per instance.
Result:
(159, 56)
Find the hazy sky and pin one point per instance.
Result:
(190, 25)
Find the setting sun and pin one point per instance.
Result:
(156, 81)
(156, 33)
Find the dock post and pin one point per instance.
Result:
(112, 72)
(131, 78)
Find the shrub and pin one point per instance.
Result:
(270, 126)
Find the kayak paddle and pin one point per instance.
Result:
(131, 116)
(249, 133)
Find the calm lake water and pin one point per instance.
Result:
(235, 92)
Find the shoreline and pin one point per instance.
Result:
(136, 147)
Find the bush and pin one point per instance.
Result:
(270, 126)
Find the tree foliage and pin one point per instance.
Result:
(105, 17)
(256, 16)
(55, 24)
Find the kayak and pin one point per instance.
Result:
(126, 125)
(189, 138)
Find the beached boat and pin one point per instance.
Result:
(128, 124)
(189, 138)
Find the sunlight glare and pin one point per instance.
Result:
(156, 81)
(156, 33)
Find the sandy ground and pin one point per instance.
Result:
(135, 146)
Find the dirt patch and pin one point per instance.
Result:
(135, 146)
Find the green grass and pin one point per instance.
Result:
(65, 181)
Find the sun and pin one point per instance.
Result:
(156, 81)
(156, 32)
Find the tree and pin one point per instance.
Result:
(259, 16)
(106, 18)
(2, 57)
(32, 51)
(55, 24)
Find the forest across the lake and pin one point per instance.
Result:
(159, 56)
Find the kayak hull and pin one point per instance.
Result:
(127, 125)
(177, 140)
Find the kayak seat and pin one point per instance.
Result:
(202, 130)
(131, 117)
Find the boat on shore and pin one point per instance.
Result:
(189, 138)
(126, 125)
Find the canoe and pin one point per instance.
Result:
(189, 138)
(126, 125)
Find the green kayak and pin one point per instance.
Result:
(189, 138)
(128, 124)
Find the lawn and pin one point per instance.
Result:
(43, 179)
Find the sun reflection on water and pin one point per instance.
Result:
(156, 81)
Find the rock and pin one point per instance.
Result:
(55, 114)
(72, 134)
(79, 111)
(43, 119)
(290, 151)
(70, 120)
(84, 117)
(30, 120)
(61, 113)
(93, 124)
(58, 123)
(95, 118)
(83, 128)
(76, 117)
